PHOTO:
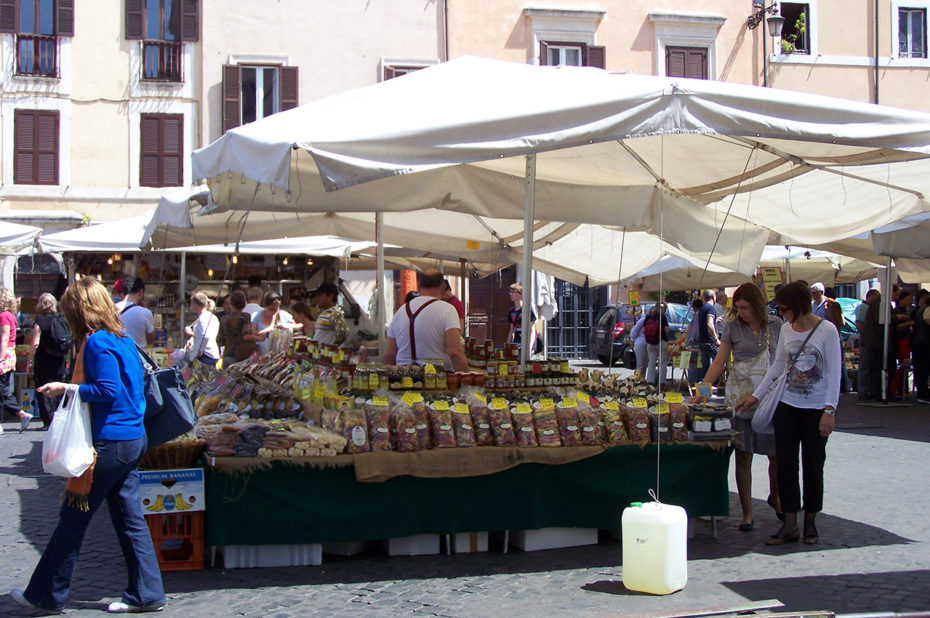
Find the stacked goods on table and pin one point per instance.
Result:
(226, 435)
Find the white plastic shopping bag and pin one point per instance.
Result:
(68, 448)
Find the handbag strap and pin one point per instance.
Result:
(794, 359)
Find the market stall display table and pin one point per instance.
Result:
(281, 502)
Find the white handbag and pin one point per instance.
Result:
(68, 447)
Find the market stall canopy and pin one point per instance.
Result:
(817, 265)
(14, 237)
(665, 155)
(681, 273)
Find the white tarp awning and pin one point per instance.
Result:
(15, 236)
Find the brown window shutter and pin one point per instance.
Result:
(696, 64)
(24, 147)
(64, 22)
(9, 16)
(595, 56)
(288, 88)
(149, 150)
(543, 53)
(172, 150)
(686, 62)
(190, 20)
(232, 93)
(47, 148)
(674, 62)
(135, 12)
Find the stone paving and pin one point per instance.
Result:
(874, 554)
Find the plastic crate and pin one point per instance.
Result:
(178, 540)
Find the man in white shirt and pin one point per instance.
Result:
(137, 320)
(434, 332)
(253, 298)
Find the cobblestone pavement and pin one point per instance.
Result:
(874, 553)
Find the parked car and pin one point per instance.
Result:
(610, 336)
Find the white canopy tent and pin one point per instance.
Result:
(14, 237)
(679, 158)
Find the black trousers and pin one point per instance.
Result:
(921, 355)
(798, 429)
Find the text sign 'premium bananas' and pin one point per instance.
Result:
(171, 491)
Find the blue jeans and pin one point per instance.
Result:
(708, 354)
(116, 481)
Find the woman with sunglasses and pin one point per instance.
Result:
(810, 350)
(751, 334)
(265, 321)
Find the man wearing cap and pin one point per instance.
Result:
(118, 291)
(426, 327)
(137, 320)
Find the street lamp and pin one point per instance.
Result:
(774, 21)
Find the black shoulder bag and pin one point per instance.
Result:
(169, 411)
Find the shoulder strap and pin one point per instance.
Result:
(128, 307)
(794, 358)
(412, 315)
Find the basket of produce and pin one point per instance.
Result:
(184, 452)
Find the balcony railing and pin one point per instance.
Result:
(37, 54)
(162, 61)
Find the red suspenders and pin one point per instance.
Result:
(413, 316)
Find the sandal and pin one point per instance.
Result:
(778, 514)
(780, 538)
(810, 535)
(747, 527)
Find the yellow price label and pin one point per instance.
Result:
(410, 398)
(379, 401)
(498, 403)
(461, 408)
(673, 397)
(583, 397)
(473, 245)
(440, 405)
(524, 408)
(481, 397)
(564, 368)
(502, 369)
(429, 369)
(569, 402)
(406, 382)
(662, 407)
(612, 405)
(639, 402)
(373, 381)
(546, 403)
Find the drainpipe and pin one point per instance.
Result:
(445, 24)
(876, 52)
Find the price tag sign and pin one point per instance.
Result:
(502, 369)
(379, 401)
(440, 405)
(412, 398)
(524, 408)
(473, 245)
(634, 297)
(569, 402)
(481, 397)
(612, 405)
(406, 382)
(546, 403)
(639, 402)
(583, 397)
(429, 369)
(685, 359)
(673, 397)
(499, 403)
(662, 407)
(704, 389)
(461, 408)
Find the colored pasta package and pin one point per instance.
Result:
(615, 426)
(569, 425)
(482, 424)
(441, 425)
(464, 427)
(404, 424)
(678, 422)
(547, 427)
(525, 429)
(424, 437)
(638, 424)
(333, 421)
(502, 427)
(379, 428)
(588, 421)
(355, 431)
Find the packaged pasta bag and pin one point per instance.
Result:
(523, 425)
(547, 423)
(464, 425)
(379, 424)
(678, 422)
(440, 420)
(587, 420)
(421, 414)
(569, 423)
(658, 422)
(501, 422)
(332, 420)
(614, 424)
(355, 431)
(404, 427)
(637, 420)
(480, 421)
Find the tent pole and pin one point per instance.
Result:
(462, 275)
(885, 310)
(182, 287)
(529, 201)
(379, 238)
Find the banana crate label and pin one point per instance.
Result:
(171, 491)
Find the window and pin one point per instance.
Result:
(37, 25)
(390, 71)
(162, 26)
(795, 37)
(912, 33)
(553, 53)
(252, 92)
(162, 150)
(686, 62)
(35, 147)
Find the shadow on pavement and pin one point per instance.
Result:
(895, 591)
(901, 421)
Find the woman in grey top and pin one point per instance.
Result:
(751, 334)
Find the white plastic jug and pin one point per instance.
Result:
(655, 547)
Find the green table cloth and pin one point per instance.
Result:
(287, 504)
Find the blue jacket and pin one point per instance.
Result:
(113, 386)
